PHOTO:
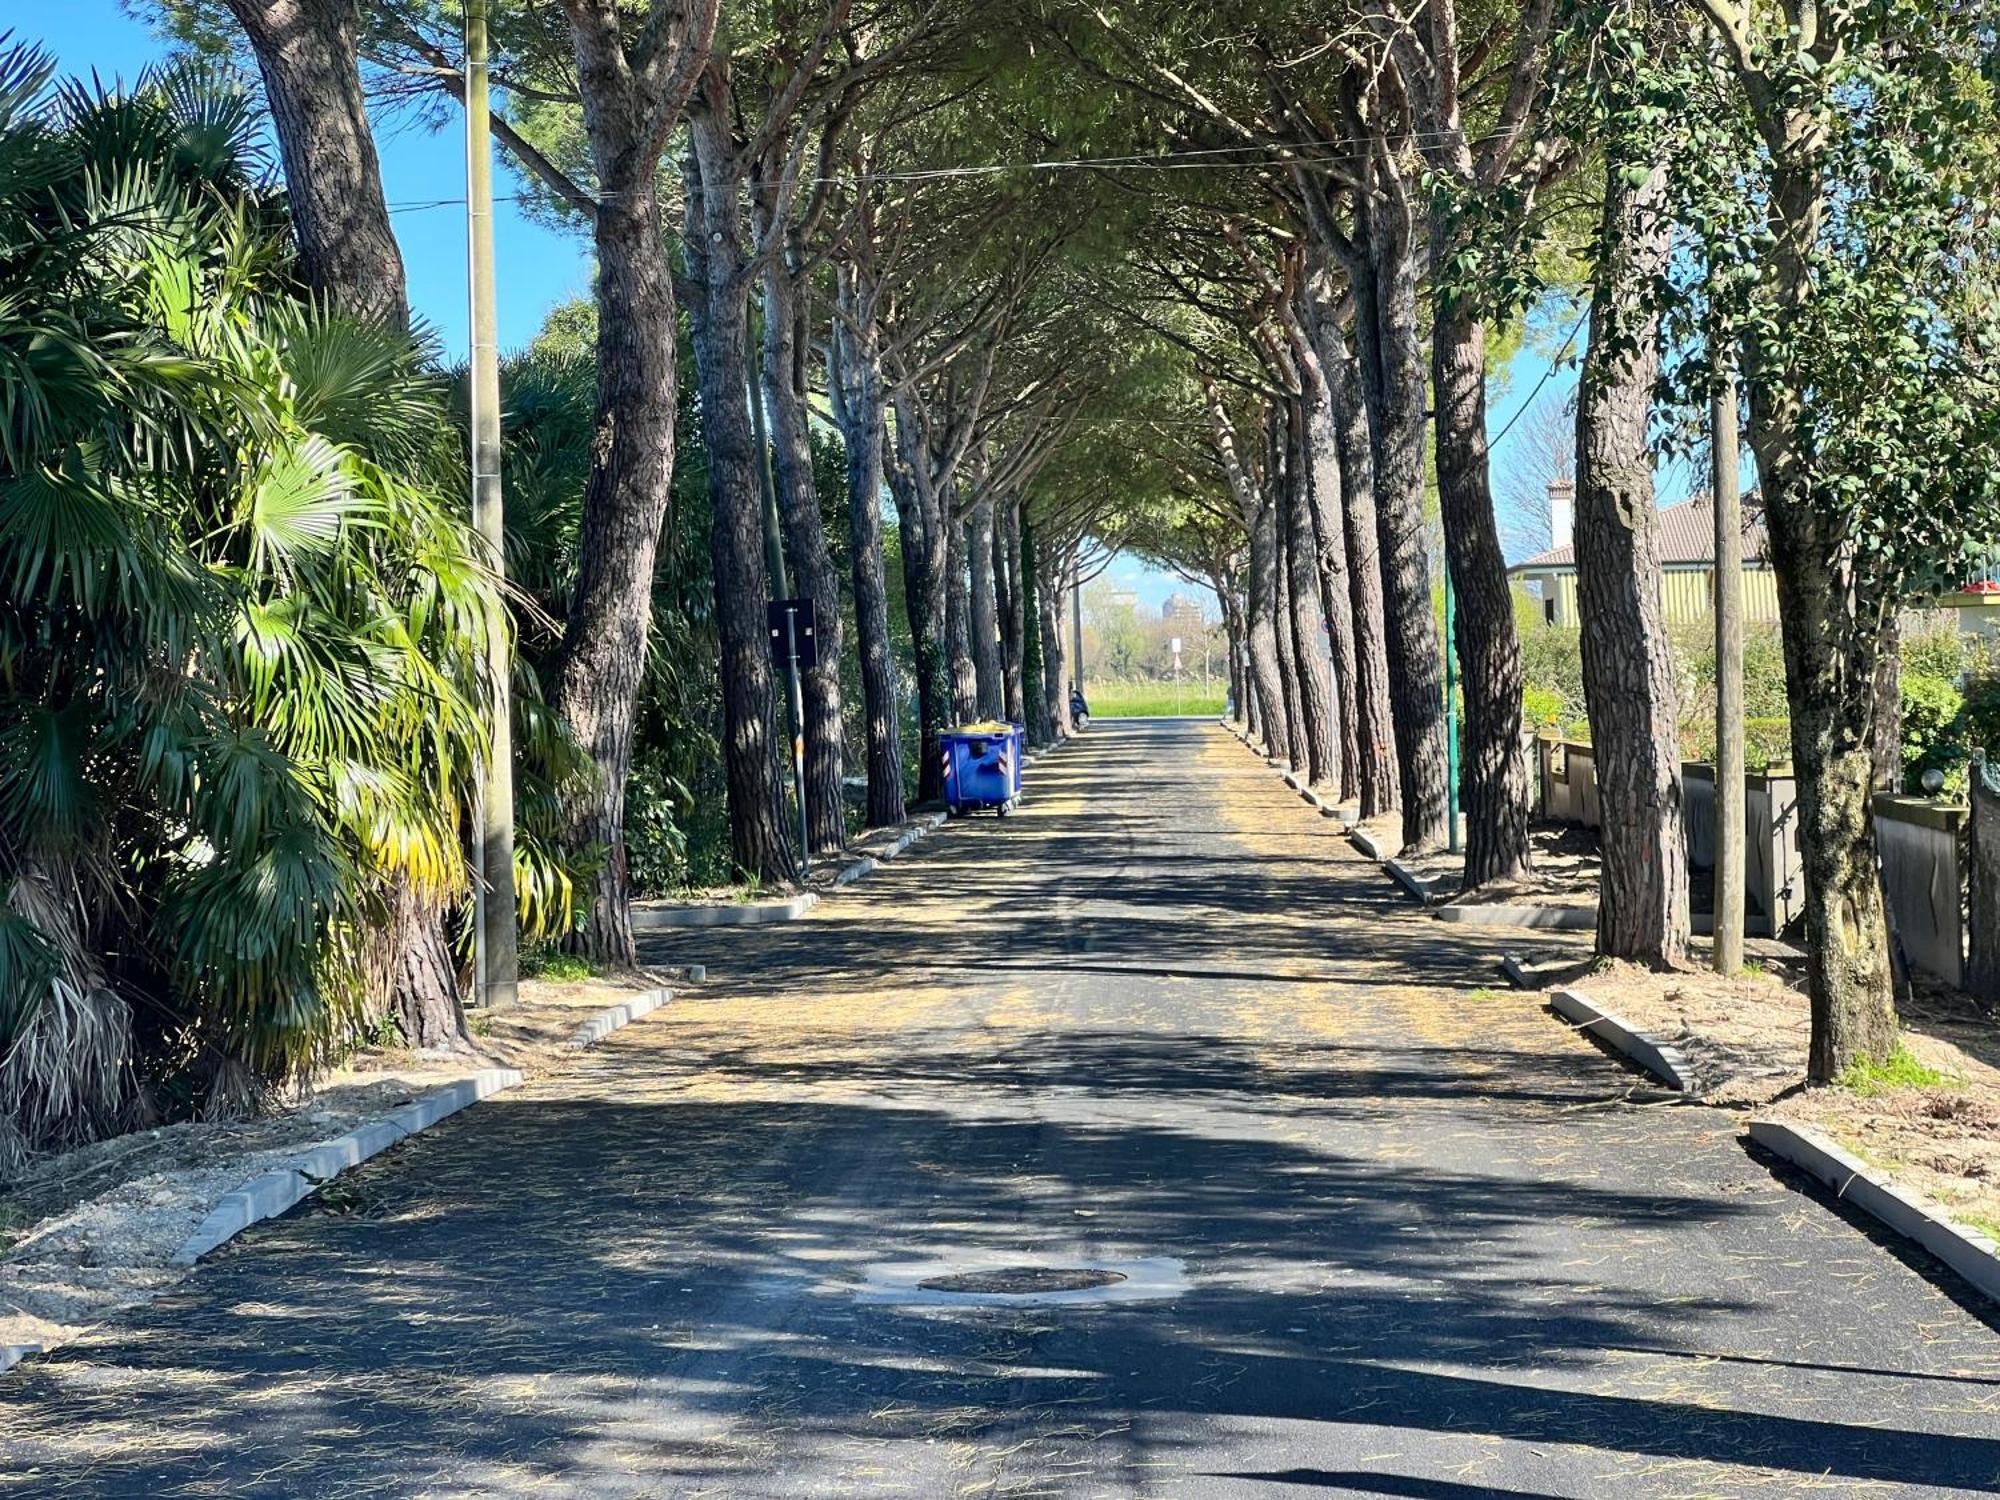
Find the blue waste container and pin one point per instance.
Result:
(982, 766)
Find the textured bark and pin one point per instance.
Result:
(1320, 463)
(1007, 564)
(1235, 632)
(958, 626)
(989, 689)
(813, 573)
(624, 504)
(632, 448)
(1832, 641)
(411, 969)
(1392, 367)
(1982, 839)
(718, 320)
(1377, 769)
(333, 178)
(1493, 761)
(1628, 672)
(1055, 690)
(925, 560)
(856, 383)
(1300, 546)
(1034, 651)
(1264, 675)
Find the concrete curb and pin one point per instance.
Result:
(1516, 972)
(1367, 846)
(1411, 882)
(1547, 918)
(303, 1174)
(271, 1194)
(1966, 1251)
(746, 914)
(617, 1017)
(267, 1196)
(763, 913)
(1656, 1057)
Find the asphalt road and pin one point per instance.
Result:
(1389, 1230)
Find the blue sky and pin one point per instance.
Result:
(537, 267)
(540, 267)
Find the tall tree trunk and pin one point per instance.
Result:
(1493, 761)
(856, 381)
(624, 504)
(1034, 650)
(1393, 382)
(1628, 671)
(1007, 559)
(989, 691)
(1320, 464)
(1264, 674)
(718, 320)
(306, 51)
(1379, 787)
(958, 625)
(814, 576)
(1049, 597)
(1832, 642)
(1233, 630)
(412, 968)
(632, 446)
(925, 592)
(1316, 721)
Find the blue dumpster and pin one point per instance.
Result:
(982, 766)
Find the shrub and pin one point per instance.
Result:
(1933, 711)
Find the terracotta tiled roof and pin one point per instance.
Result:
(1687, 538)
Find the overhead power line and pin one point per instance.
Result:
(1257, 155)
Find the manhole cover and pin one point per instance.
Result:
(1024, 1281)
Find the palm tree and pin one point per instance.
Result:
(242, 622)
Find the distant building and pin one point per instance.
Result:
(1186, 613)
(1687, 568)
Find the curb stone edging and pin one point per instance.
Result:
(1662, 1060)
(1969, 1253)
(272, 1193)
(617, 1017)
(1367, 846)
(1516, 972)
(763, 913)
(1411, 882)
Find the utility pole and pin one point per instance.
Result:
(498, 936)
(1727, 948)
(781, 589)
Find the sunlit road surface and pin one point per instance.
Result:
(1295, 1200)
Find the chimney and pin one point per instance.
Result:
(1562, 512)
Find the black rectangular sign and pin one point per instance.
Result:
(803, 637)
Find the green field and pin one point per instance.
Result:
(1153, 700)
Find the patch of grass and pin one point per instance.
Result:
(1153, 700)
(482, 1023)
(1754, 967)
(1900, 1070)
(1980, 1222)
(557, 966)
(1484, 995)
